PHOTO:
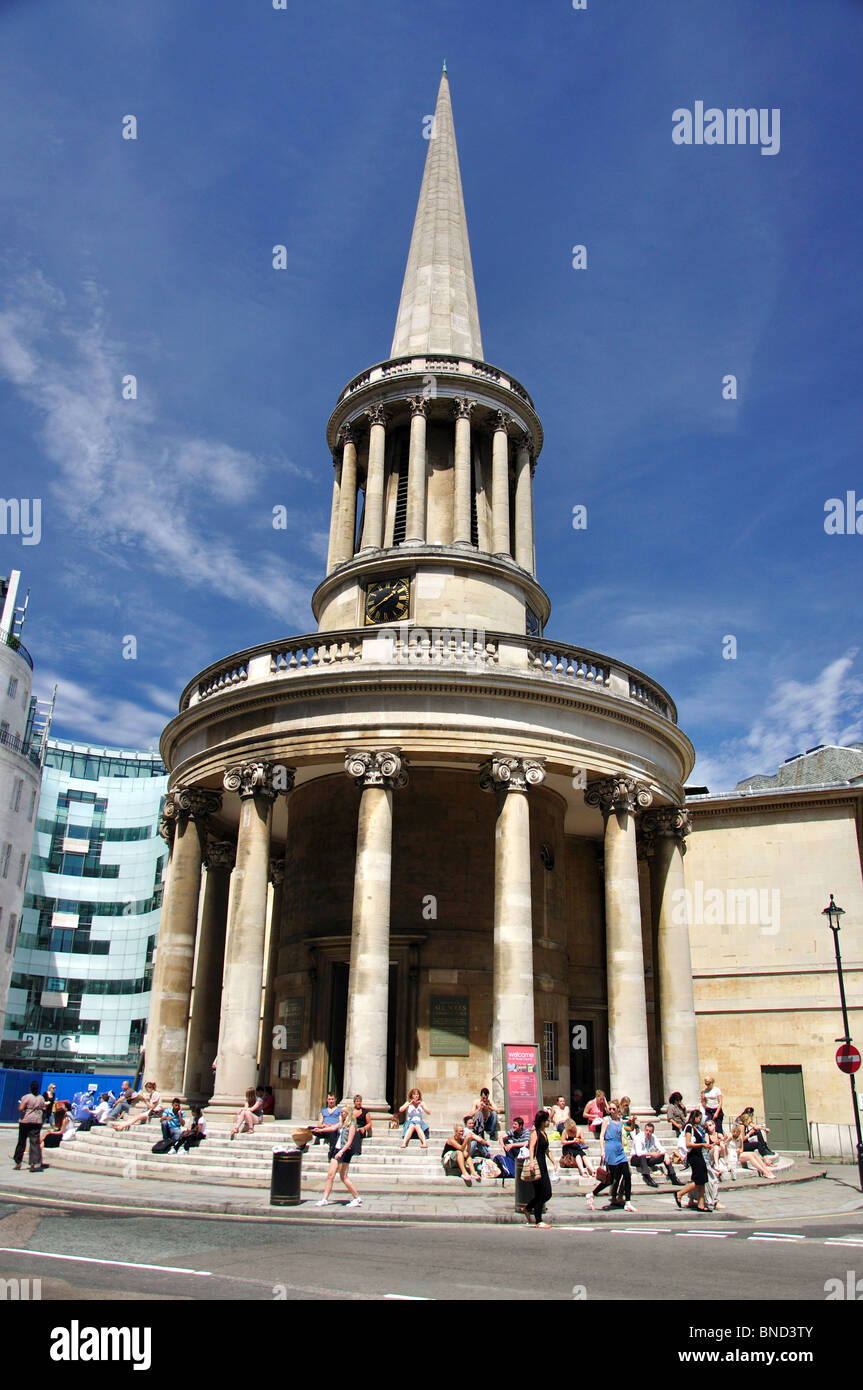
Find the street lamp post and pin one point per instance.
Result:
(833, 913)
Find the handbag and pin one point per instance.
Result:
(601, 1173)
(568, 1161)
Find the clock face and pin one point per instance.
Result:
(387, 600)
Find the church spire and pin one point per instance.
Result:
(438, 310)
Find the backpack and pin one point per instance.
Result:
(162, 1146)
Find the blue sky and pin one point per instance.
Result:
(305, 127)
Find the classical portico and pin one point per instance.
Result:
(416, 833)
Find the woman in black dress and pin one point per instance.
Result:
(695, 1139)
(537, 1163)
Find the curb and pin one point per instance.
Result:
(221, 1208)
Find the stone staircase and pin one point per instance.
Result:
(246, 1161)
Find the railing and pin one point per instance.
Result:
(462, 366)
(233, 674)
(407, 646)
(569, 661)
(304, 652)
(22, 746)
(10, 640)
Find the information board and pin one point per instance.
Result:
(449, 1025)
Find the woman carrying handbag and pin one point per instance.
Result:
(536, 1168)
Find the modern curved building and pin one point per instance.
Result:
(473, 834)
(80, 991)
(20, 774)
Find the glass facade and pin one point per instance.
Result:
(81, 979)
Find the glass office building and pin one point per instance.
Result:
(80, 989)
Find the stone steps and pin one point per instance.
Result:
(247, 1161)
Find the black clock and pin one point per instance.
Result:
(387, 600)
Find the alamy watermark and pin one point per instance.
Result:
(21, 517)
(735, 125)
(727, 907)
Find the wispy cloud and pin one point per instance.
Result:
(139, 489)
(795, 716)
(105, 719)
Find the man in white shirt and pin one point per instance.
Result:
(646, 1155)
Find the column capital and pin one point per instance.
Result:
(618, 794)
(220, 854)
(671, 822)
(259, 779)
(500, 420)
(277, 872)
(190, 803)
(525, 444)
(508, 772)
(463, 407)
(346, 434)
(419, 405)
(377, 769)
(376, 415)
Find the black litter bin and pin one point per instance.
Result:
(524, 1191)
(287, 1177)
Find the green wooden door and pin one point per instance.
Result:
(785, 1108)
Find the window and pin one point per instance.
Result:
(22, 869)
(10, 932)
(55, 985)
(549, 1051)
(32, 803)
(4, 861)
(15, 798)
(12, 687)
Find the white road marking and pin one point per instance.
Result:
(640, 1230)
(704, 1235)
(774, 1235)
(852, 1241)
(119, 1264)
(409, 1297)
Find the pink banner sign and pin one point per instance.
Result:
(522, 1082)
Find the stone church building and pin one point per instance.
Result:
(426, 829)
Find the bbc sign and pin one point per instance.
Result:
(50, 1042)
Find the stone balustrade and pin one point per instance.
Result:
(458, 366)
(408, 646)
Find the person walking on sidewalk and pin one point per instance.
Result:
(537, 1156)
(613, 1157)
(341, 1153)
(31, 1113)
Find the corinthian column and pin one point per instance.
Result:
(512, 1004)
(378, 774)
(277, 879)
(669, 825)
(186, 809)
(500, 485)
(620, 799)
(237, 1058)
(334, 514)
(524, 504)
(415, 521)
(373, 526)
(347, 526)
(204, 1020)
(462, 480)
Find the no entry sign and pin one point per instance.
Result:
(848, 1057)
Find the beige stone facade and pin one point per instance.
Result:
(425, 830)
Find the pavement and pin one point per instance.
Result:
(809, 1189)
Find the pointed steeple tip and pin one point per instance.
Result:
(444, 64)
(438, 310)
